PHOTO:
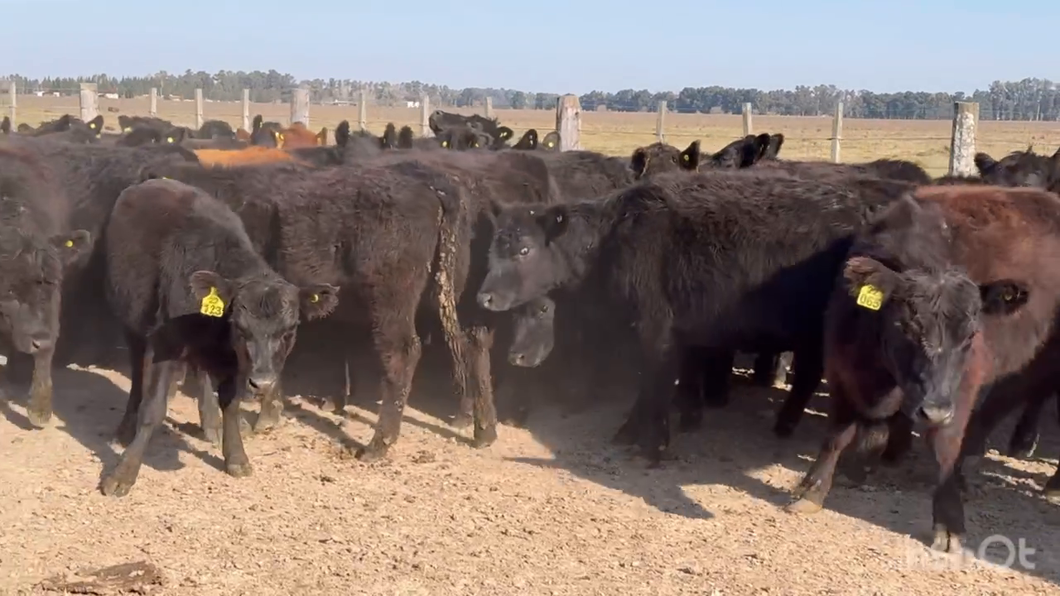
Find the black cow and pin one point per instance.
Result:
(35, 251)
(1021, 168)
(440, 120)
(392, 235)
(90, 177)
(187, 285)
(692, 261)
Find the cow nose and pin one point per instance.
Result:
(936, 414)
(261, 384)
(36, 344)
(485, 300)
(517, 358)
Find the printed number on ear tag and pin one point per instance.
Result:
(870, 297)
(212, 305)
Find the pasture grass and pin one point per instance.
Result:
(618, 133)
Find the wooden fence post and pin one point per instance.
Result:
(747, 128)
(962, 143)
(489, 107)
(569, 122)
(246, 110)
(13, 92)
(300, 106)
(660, 123)
(198, 109)
(425, 116)
(154, 102)
(837, 131)
(362, 107)
(89, 101)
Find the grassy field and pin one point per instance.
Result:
(618, 133)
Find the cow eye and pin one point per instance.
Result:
(524, 251)
(673, 159)
(544, 308)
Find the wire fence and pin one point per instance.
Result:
(809, 137)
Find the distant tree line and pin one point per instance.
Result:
(1029, 99)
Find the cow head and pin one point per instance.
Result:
(263, 313)
(550, 142)
(1021, 168)
(659, 158)
(533, 332)
(31, 278)
(926, 322)
(528, 142)
(533, 251)
(464, 138)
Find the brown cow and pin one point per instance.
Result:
(949, 290)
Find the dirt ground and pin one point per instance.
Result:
(550, 509)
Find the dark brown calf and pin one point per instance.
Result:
(922, 343)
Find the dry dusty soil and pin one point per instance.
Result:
(552, 509)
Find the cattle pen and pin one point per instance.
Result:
(824, 137)
(552, 507)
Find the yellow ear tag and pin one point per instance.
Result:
(314, 298)
(445, 144)
(550, 143)
(212, 305)
(684, 157)
(870, 297)
(92, 125)
(127, 129)
(169, 139)
(69, 244)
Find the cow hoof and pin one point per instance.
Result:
(484, 437)
(262, 425)
(124, 435)
(803, 506)
(945, 542)
(626, 435)
(213, 435)
(115, 486)
(239, 470)
(372, 453)
(335, 406)
(1023, 449)
(38, 417)
(783, 429)
(463, 420)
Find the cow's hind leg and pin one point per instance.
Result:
(480, 341)
(398, 349)
(1025, 436)
(808, 372)
(137, 364)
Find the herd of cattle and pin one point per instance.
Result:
(205, 250)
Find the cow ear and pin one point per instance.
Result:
(639, 162)
(96, 124)
(255, 126)
(775, 143)
(342, 133)
(277, 136)
(551, 142)
(318, 300)
(553, 221)
(1003, 297)
(72, 245)
(504, 133)
(322, 136)
(208, 287)
(689, 158)
(870, 282)
(528, 141)
(984, 163)
(761, 145)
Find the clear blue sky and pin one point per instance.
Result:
(930, 45)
